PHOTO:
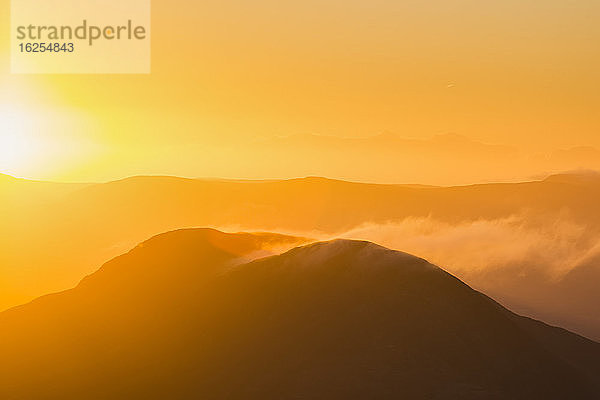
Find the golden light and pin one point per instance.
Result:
(18, 146)
(38, 143)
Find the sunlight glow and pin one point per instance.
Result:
(39, 144)
(18, 145)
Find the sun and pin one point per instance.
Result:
(18, 146)
(38, 143)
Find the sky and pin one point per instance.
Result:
(228, 74)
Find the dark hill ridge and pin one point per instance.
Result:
(576, 177)
(75, 228)
(184, 316)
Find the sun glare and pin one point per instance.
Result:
(38, 144)
(18, 146)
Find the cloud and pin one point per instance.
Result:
(474, 249)
(522, 261)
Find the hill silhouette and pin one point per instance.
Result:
(184, 315)
(74, 228)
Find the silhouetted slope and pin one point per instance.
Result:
(324, 204)
(181, 316)
(579, 296)
(566, 346)
(576, 178)
(87, 225)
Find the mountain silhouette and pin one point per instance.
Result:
(586, 178)
(74, 228)
(186, 315)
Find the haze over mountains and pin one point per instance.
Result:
(186, 314)
(533, 246)
(444, 159)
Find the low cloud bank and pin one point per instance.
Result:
(480, 247)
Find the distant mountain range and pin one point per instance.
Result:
(194, 314)
(443, 159)
(53, 234)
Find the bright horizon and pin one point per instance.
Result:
(65, 158)
(509, 74)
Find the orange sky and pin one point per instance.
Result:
(227, 73)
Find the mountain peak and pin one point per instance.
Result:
(581, 177)
(340, 319)
(187, 254)
(359, 251)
